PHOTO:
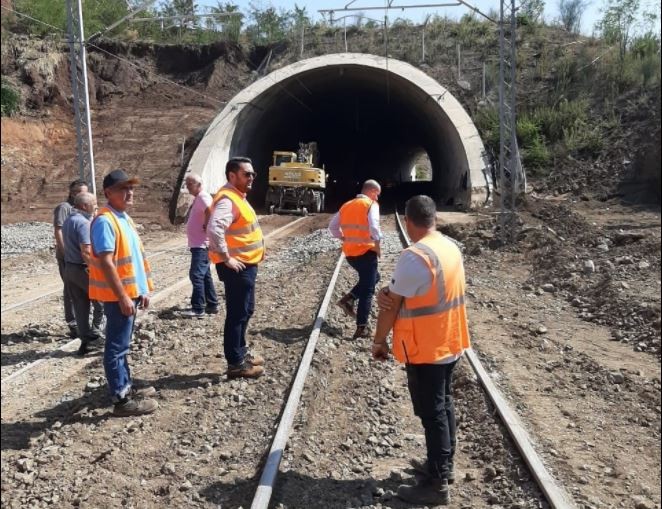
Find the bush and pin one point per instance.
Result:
(9, 99)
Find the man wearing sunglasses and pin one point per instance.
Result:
(236, 247)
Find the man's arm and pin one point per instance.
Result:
(334, 226)
(59, 216)
(385, 321)
(375, 230)
(86, 252)
(113, 279)
(221, 219)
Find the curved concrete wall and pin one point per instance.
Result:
(453, 143)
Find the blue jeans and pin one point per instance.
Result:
(204, 294)
(240, 304)
(367, 265)
(119, 329)
(432, 398)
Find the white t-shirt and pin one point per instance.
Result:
(412, 278)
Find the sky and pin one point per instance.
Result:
(591, 14)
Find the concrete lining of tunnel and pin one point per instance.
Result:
(255, 122)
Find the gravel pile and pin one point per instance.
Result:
(30, 237)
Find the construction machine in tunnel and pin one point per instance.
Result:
(296, 185)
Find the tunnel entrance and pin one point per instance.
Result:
(368, 122)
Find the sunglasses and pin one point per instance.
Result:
(249, 174)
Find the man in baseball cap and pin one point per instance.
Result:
(117, 178)
(120, 278)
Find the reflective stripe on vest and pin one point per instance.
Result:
(99, 288)
(432, 327)
(244, 236)
(355, 226)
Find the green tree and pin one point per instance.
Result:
(231, 24)
(618, 23)
(571, 12)
(532, 10)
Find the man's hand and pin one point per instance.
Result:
(378, 249)
(235, 265)
(384, 299)
(127, 306)
(143, 303)
(380, 351)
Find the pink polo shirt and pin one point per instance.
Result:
(195, 226)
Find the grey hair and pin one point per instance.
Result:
(83, 199)
(371, 184)
(194, 177)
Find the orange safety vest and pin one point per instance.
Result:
(433, 327)
(355, 227)
(99, 288)
(244, 235)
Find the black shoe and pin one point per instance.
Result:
(73, 332)
(211, 310)
(421, 467)
(89, 346)
(427, 491)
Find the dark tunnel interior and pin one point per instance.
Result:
(367, 124)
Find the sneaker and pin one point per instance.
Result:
(427, 491)
(347, 305)
(143, 392)
(421, 467)
(255, 360)
(192, 313)
(135, 407)
(211, 310)
(245, 370)
(362, 331)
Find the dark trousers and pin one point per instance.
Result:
(239, 304)
(367, 265)
(204, 294)
(77, 281)
(430, 390)
(69, 316)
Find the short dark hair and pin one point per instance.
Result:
(422, 211)
(234, 164)
(78, 183)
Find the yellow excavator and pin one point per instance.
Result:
(296, 185)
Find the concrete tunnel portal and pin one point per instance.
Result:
(369, 121)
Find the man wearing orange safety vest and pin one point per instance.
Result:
(120, 278)
(236, 246)
(424, 305)
(357, 225)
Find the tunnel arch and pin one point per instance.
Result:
(370, 118)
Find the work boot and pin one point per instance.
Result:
(254, 359)
(143, 392)
(362, 331)
(421, 467)
(130, 407)
(347, 305)
(245, 370)
(89, 346)
(427, 491)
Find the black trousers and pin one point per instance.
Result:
(430, 390)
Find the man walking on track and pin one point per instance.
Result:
(76, 236)
(424, 305)
(236, 247)
(203, 298)
(60, 214)
(120, 278)
(357, 225)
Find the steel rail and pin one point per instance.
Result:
(70, 346)
(27, 302)
(554, 493)
(270, 470)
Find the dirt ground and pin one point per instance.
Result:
(589, 395)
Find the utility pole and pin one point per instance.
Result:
(510, 168)
(79, 88)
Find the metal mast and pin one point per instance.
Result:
(81, 99)
(511, 172)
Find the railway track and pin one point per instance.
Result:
(339, 439)
(171, 285)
